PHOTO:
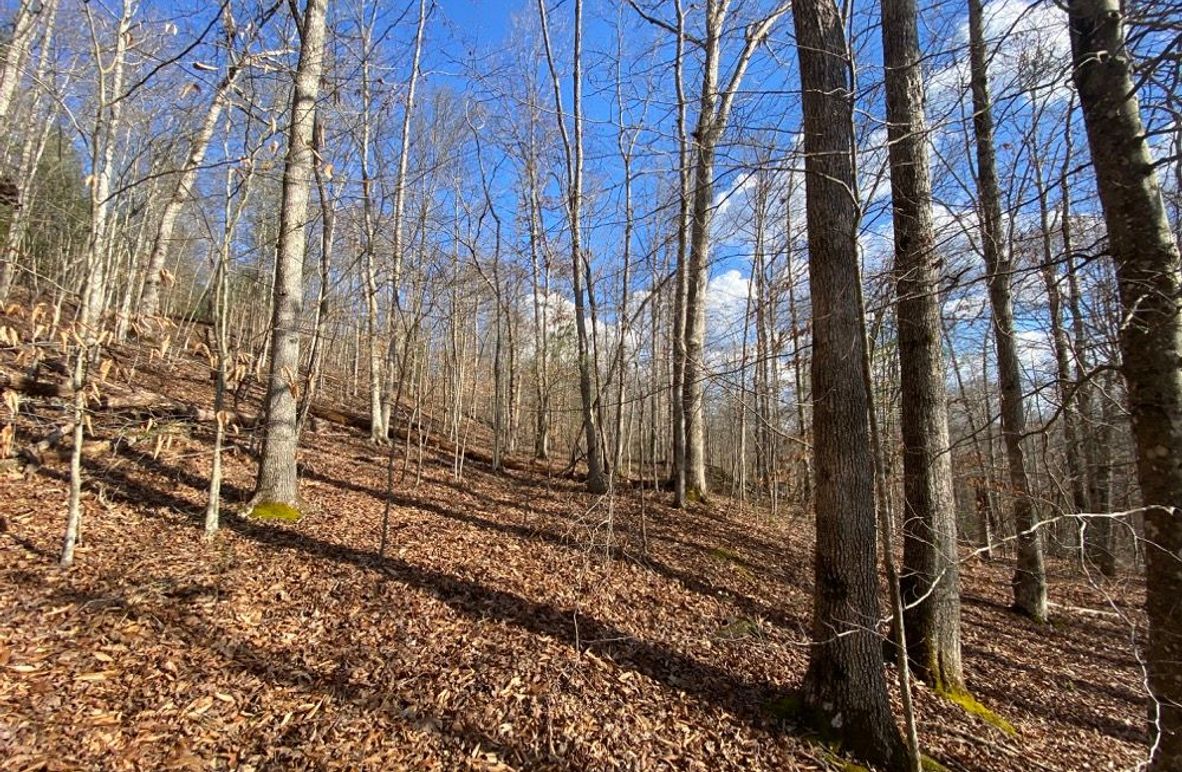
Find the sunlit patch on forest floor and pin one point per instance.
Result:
(514, 622)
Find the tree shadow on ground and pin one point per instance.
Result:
(274, 667)
(137, 493)
(1073, 684)
(710, 684)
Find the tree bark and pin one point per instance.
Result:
(930, 580)
(1030, 582)
(15, 52)
(1149, 278)
(844, 687)
(677, 397)
(277, 481)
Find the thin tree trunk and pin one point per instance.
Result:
(232, 215)
(328, 222)
(150, 295)
(597, 481)
(677, 389)
(106, 132)
(714, 106)
(394, 323)
(1066, 384)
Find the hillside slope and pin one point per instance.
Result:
(515, 622)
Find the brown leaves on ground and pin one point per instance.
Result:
(515, 623)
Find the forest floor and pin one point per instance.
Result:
(514, 622)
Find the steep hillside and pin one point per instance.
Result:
(514, 621)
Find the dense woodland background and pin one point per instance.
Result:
(886, 288)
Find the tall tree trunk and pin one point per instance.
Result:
(377, 421)
(17, 49)
(1149, 277)
(845, 686)
(625, 143)
(32, 149)
(930, 580)
(1094, 443)
(540, 274)
(277, 481)
(90, 318)
(677, 386)
(597, 481)
(187, 175)
(395, 322)
(714, 106)
(1030, 582)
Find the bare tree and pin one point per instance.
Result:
(930, 577)
(714, 108)
(1149, 274)
(845, 685)
(597, 481)
(187, 173)
(1030, 582)
(277, 481)
(108, 112)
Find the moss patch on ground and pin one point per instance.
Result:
(275, 510)
(973, 706)
(723, 555)
(739, 628)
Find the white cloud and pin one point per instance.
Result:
(726, 301)
(1020, 37)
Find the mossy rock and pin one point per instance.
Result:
(275, 510)
(973, 706)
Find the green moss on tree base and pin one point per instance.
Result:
(792, 708)
(275, 510)
(973, 707)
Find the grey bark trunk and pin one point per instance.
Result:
(1029, 582)
(106, 131)
(150, 295)
(16, 51)
(277, 481)
(930, 580)
(1149, 278)
(597, 481)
